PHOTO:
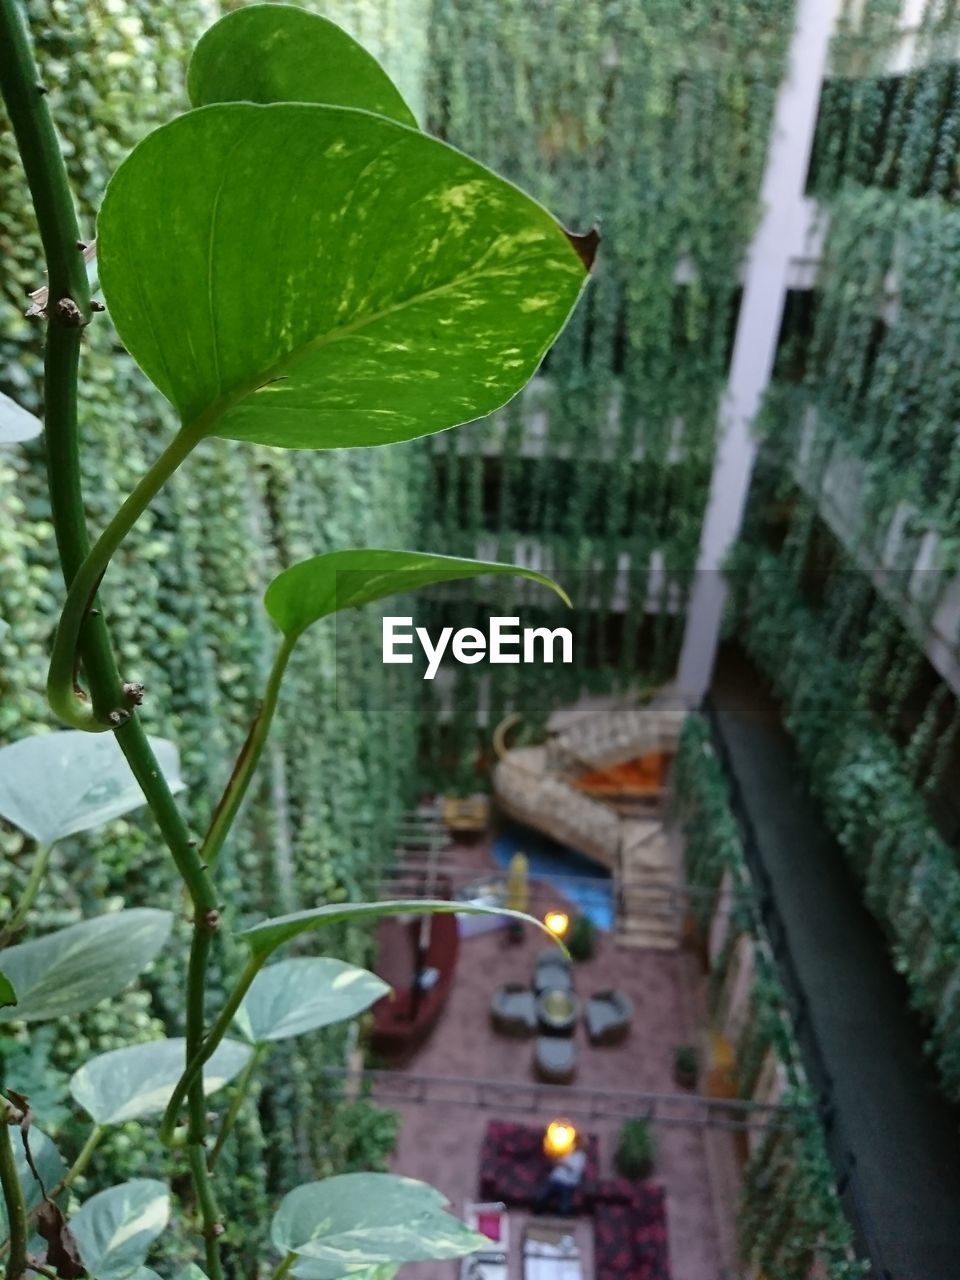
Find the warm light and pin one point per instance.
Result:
(560, 1138)
(558, 922)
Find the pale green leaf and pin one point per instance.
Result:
(137, 1081)
(278, 53)
(93, 782)
(51, 1167)
(312, 1269)
(327, 278)
(295, 996)
(77, 967)
(115, 1228)
(325, 584)
(191, 1272)
(265, 937)
(16, 423)
(362, 1219)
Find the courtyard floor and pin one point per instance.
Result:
(441, 1142)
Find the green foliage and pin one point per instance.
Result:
(367, 1219)
(136, 1082)
(75, 968)
(636, 1150)
(582, 938)
(115, 1228)
(262, 54)
(686, 1063)
(380, 346)
(300, 995)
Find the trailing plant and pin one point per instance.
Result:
(582, 939)
(333, 278)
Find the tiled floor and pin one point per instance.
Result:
(441, 1143)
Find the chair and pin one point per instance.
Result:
(513, 1010)
(555, 1060)
(552, 972)
(608, 1016)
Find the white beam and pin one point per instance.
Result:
(782, 237)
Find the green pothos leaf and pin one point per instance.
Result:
(325, 584)
(115, 1228)
(366, 1219)
(327, 278)
(8, 996)
(279, 53)
(299, 995)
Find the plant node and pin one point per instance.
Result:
(211, 920)
(69, 314)
(133, 692)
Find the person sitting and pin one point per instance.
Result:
(562, 1182)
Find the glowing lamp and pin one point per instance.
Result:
(559, 1139)
(558, 922)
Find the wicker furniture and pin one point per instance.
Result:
(513, 1010)
(555, 1059)
(608, 1016)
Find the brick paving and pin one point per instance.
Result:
(441, 1143)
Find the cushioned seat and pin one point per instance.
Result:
(552, 971)
(513, 1010)
(555, 1059)
(608, 1016)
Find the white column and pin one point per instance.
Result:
(780, 238)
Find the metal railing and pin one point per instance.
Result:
(841, 1154)
(526, 1097)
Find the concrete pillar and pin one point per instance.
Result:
(780, 238)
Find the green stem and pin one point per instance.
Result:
(212, 1226)
(81, 1162)
(236, 1103)
(192, 1074)
(68, 309)
(248, 758)
(69, 703)
(283, 1267)
(34, 881)
(12, 1198)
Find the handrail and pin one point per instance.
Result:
(686, 1110)
(841, 1154)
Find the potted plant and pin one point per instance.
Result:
(685, 1066)
(636, 1148)
(582, 938)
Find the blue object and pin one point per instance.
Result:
(586, 883)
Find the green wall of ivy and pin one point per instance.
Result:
(184, 598)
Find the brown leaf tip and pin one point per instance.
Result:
(586, 246)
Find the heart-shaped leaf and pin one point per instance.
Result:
(325, 584)
(16, 424)
(370, 1218)
(77, 967)
(8, 996)
(265, 937)
(137, 1081)
(50, 1165)
(279, 53)
(327, 278)
(115, 1228)
(94, 783)
(300, 995)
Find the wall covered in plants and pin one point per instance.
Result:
(651, 119)
(862, 471)
(790, 1220)
(189, 620)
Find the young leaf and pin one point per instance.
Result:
(265, 937)
(278, 53)
(325, 584)
(115, 1228)
(50, 1165)
(329, 278)
(75, 968)
(93, 782)
(8, 996)
(300, 995)
(137, 1081)
(370, 1218)
(16, 424)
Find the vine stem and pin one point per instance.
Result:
(12, 1196)
(68, 310)
(74, 1172)
(34, 881)
(283, 1268)
(237, 1101)
(248, 759)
